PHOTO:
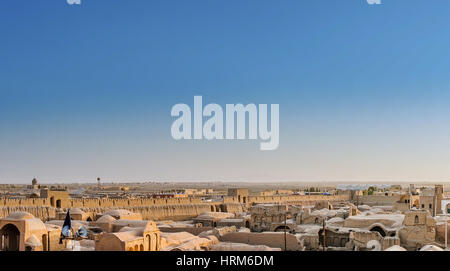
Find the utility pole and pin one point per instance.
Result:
(285, 218)
(446, 240)
(323, 234)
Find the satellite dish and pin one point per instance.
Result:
(81, 232)
(66, 231)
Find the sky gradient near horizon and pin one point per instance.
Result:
(86, 90)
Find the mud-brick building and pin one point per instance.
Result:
(58, 198)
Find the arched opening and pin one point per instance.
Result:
(239, 198)
(212, 208)
(130, 249)
(52, 201)
(58, 203)
(149, 240)
(214, 224)
(247, 224)
(156, 241)
(136, 248)
(141, 247)
(316, 221)
(281, 228)
(10, 238)
(379, 230)
(89, 219)
(244, 199)
(44, 242)
(416, 219)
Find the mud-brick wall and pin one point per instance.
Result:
(155, 212)
(377, 200)
(233, 207)
(299, 199)
(24, 202)
(42, 212)
(66, 203)
(160, 212)
(149, 212)
(131, 202)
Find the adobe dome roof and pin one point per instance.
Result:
(33, 241)
(395, 248)
(76, 211)
(431, 248)
(106, 219)
(118, 212)
(20, 215)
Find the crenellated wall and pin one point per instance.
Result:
(150, 212)
(298, 199)
(153, 209)
(79, 203)
(377, 200)
(45, 213)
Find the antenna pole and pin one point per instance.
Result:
(446, 240)
(285, 218)
(323, 233)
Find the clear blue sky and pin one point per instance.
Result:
(86, 90)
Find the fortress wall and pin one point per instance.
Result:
(24, 202)
(297, 198)
(152, 209)
(233, 207)
(79, 203)
(131, 202)
(92, 203)
(377, 200)
(42, 212)
(161, 212)
(155, 212)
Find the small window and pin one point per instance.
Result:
(431, 206)
(416, 219)
(423, 205)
